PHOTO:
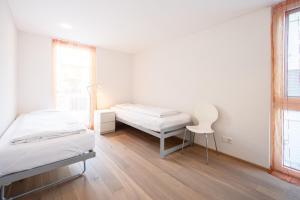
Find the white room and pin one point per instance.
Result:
(149, 99)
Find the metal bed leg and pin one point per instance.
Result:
(183, 139)
(44, 187)
(162, 146)
(190, 141)
(192, 138)
(2, 193)
(84, 167)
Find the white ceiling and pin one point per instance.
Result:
(126, 25)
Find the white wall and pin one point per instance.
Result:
(35, 74)
(114, 74)
(228, 65)
(8, 40)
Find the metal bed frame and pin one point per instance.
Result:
(8, 179)
(164, 134)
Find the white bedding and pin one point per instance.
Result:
(153, 123)
(44, 125)
(14, 158)
(148, 110)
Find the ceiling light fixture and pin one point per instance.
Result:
(65, 26)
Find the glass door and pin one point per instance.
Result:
(291, 113)
(72, 77)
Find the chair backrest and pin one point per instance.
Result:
(206, 113)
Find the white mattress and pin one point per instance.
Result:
(149, 122)
(148, 110)
(44, 125)
(14, 158)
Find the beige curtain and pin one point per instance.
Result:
(280, 101)
(93, 91)
(92, 79)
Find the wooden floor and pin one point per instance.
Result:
(128, 166)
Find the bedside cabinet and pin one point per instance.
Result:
(104, 121)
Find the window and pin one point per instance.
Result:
(293, 53)
(285, 118)
(291, 116)
(74, 72)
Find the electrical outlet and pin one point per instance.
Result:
(227, 140)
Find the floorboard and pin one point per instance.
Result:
(128, 166)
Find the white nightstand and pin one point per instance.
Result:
(104, 121)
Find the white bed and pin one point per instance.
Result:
(14, 158)
(150, 122)
(159, 122)
(23, 159)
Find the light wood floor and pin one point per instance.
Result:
(128, 166)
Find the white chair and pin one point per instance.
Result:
(206, 114)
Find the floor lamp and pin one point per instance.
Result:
(90, 89)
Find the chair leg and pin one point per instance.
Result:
(215, 143)
(183, 139)
(206, 143)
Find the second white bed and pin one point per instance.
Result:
(149, 122)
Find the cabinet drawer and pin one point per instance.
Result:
(107, 127)
(106, 117)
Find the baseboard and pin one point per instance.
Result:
(268, 170)
(286, 177)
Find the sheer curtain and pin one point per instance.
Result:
(74, 68)
(284, 104)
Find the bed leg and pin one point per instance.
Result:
(2, 193)
(44, 187)
(162, 145)
(84, 167)
(191, 137)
